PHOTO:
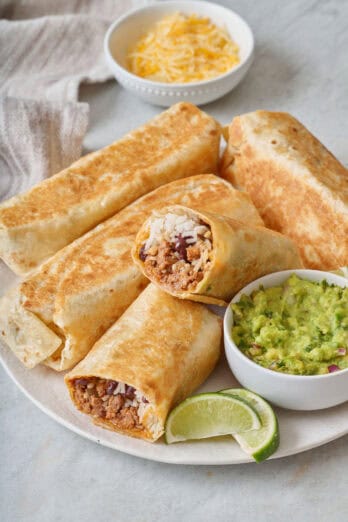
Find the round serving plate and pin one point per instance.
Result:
(299, 430)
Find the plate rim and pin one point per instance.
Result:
(140, 454)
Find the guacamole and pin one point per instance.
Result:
(300, 327)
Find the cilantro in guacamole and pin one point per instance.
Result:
(300, 327)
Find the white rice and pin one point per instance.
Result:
(121, 388)
(168, 227)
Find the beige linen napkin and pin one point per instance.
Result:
(47, 48)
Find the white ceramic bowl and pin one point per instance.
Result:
(125, 31)
(295, 392)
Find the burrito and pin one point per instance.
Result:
(299, 187)
(180, 142)
(57, 314)
(153, 357)
(206, 257)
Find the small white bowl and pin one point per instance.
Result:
(295, 392)
(125, 31)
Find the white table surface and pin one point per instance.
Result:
(49, 474)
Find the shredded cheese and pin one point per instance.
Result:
(183, 49)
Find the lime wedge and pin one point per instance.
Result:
(263, 442)
(210, 415)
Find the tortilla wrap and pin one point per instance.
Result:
(298, 186)
(178, 143)
(81, 291)
(208, 257)
(161, 349)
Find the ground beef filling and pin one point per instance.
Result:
(100, 398)
(179, 264)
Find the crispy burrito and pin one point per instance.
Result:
(180, 142)
(207, 257)
(298, 186)
(153, 357)
(57, 314)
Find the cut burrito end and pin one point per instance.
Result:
(158, 352)
(206, 257)
(176, 250)
(116, 405)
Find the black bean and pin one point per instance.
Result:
(111, 387)
(142, 254)
(180, 246)
(81, 382)
(130, 392)
(144, 400)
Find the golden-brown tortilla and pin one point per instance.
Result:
(298, 186)
(240, 253)
(180, 142)
(161, 346)
(58, 313)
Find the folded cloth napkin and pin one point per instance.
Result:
(47, 48)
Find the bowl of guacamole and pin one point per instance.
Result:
(286, 338)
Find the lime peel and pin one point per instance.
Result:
(263, 442)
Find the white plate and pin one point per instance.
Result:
(299, 431)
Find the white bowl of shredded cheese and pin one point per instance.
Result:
(179, 51)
